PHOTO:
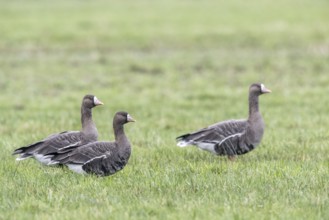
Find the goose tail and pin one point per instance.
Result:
(182, 140)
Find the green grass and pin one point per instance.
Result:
(175, 66)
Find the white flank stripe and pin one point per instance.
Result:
(228, 137)
(94, 158)
(68, 146)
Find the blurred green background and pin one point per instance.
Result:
(175, 66)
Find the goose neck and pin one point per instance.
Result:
(87, 120)
(118, 131)
(253, 104)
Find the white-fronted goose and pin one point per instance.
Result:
(232, 137)
(100, 158)
(66, 139)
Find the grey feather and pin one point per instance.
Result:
(232, 137)
(101, 158)
(68, 140)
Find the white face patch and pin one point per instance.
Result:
(130, 119)
(97, 102)
(262, 87)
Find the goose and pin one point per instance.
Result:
(67, 139)
(100, 158)
(231, 137)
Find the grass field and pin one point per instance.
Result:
(175, 66)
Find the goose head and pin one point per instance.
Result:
(90, 101)
(258, 89)
(123, 118)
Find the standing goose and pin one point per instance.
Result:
(66, 139)
(100, 158)
(232, 137)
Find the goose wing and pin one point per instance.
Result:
(108, 163)
(100, 158)
(88, 152)
(56, 142)
(214, 133)
(49, 144)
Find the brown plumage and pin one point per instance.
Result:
(66, 139)
(101, 158)
(232, 137)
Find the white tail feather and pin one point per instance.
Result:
(76, 168)
(183, 144)
(53, 162)
(21, 158)
(42, 158)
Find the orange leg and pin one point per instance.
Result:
(231, 157)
